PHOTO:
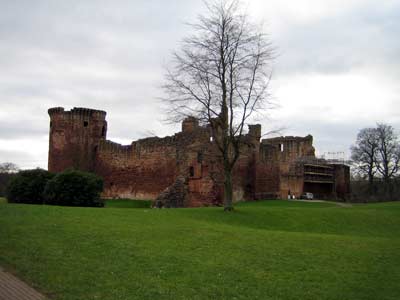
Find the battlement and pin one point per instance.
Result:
(288, 148)
(55, 110)
(190, 124)
(79, 112)
(255, 131)
(74, 137)
(106, 145)
(146, 144)
(152, 142)
(283, 139)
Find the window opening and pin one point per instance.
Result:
(191, 171)
(199, 157)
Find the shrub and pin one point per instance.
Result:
(4, 180)
(74, 188)
(27, 186)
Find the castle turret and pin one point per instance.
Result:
(190, 124)
(74, 138)
(255, 132)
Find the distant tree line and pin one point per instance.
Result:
(7, 171)
(376, 164)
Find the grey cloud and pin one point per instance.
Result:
(110, 54)
(330, 136)
(367, 36)
(23, 159)
(16, 129)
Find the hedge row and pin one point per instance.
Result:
(4, 180)
(68, 188)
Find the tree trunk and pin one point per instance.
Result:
(228, 190)
(370, 181)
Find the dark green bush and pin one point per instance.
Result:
(27, 186)
(74, 188)
(4, 180)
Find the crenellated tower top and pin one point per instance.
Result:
(74, 137)
(79, 112)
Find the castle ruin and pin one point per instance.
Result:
(187, 163)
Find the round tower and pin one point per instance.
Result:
(74, 138)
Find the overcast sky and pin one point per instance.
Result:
(337, 71)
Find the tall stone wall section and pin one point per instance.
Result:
(149, 166)
(137, 171)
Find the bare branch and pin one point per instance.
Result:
(221, 75)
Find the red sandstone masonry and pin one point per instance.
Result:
(145, 168)
(74, 137)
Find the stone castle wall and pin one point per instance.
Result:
(138, 171)
(151, 167)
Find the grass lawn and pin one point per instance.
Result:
(263, 250)
(127, 203)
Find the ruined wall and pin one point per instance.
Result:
(147, 167)
(74, 138)
(278, 173)
(266, 169)
(140, 171)
(290, 148)
(151, 167)
(245, 170)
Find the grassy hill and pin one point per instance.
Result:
(263, 250)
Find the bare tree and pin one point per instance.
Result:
(7, 171)
(8, 167)
(364, 154)
(221, 76)
(389, 152)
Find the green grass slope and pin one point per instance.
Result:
(263, 250)
(127, 203)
